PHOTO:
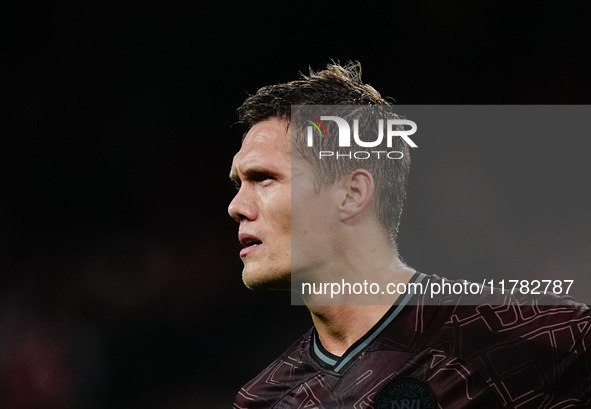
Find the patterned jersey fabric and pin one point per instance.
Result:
(494, 351)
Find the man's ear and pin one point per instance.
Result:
(359, 190)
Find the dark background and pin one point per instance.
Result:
(119, 271)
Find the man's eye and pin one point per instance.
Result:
(237, 185)
(267, 181)
(262, 177)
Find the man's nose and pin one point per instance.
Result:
(242, 207)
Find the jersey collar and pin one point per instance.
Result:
(336, 363)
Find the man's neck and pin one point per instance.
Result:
(340, 326)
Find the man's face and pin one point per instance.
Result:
(262, 206)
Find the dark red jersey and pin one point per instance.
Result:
(504, 352)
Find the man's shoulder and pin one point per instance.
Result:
(476, 308)
(289, 370)
(497, 332)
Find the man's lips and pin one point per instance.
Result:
(250, 243)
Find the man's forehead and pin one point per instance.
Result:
(274, 131)
(265, 141)
(266, 137)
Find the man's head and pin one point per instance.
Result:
(336, 85)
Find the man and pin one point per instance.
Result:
(307, 220)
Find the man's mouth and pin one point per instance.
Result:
(249, 242)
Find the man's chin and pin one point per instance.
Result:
(266, 281)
